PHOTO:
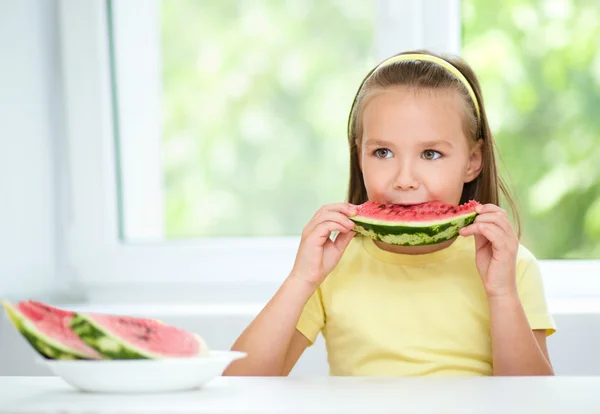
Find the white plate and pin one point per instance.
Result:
(143, 375)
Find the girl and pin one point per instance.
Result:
(474, 305)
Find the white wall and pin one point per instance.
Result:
(28, 115)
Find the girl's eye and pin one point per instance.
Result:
(431, 155)
(383, 153)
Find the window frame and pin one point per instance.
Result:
(227, 269)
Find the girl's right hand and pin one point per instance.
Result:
(317, 254)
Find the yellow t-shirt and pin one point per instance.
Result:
(389, 314)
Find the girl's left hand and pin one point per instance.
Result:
(496, 247)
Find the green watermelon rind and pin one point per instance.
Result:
(45, 346)
(110, 345)
(414, 233)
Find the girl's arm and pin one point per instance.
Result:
(271, 341)
(516, 349)
(273, 333)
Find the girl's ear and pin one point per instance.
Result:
(475, 162)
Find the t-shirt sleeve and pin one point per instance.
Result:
(312, 319)
(531, 292)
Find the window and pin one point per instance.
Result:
(203, 135)
(232, 114)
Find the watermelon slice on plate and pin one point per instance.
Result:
(117, 354)
(47, 329)
(125, 337)
(413, 225)
(61, 334)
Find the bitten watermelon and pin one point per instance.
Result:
(125, 337)
(47, 329)
(413, 225)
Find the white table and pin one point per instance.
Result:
(45, 395)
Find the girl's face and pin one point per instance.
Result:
(414, 147)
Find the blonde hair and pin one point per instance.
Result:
(423, 70)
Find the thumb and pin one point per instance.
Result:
(343, 240)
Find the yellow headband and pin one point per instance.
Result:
(446, 65)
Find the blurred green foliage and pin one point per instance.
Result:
(257, 93)
(539, 65)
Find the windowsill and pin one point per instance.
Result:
(574, 306)
(146, 309)
(250, 309)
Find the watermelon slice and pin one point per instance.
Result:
(125, 337)
(47, 329)
(413, 225)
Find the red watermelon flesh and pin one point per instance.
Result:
(52, 323)
(431, 211)
(125, 337)
(150, 335)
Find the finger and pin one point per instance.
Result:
(491, 213)
(338, 218)
(346, 208)
(323, 230)
(343, 240)
(490, 208)
(494, 234)
(329, 216)
(480, 242)
(491, 232)
(500, 242)
(497, 219)
(469, 230)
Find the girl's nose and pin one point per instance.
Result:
(405, 179)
